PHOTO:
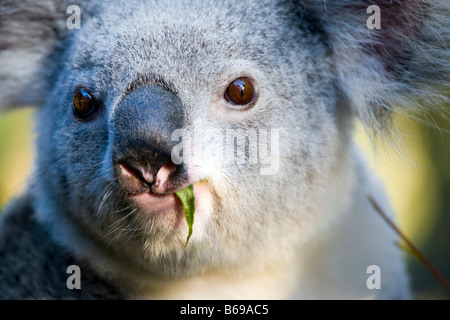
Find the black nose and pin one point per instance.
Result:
(142, 126)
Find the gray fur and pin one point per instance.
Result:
(306, 232)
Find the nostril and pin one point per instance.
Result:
(163, 175)
(134, 180)
(139, 173)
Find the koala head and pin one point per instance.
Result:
(250, 102)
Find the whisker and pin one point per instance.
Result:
(108, 193)
(124, 217)
(117, 228)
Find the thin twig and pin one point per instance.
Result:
(411, 246)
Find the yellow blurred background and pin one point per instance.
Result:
(416, 176)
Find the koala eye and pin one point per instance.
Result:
(83, 103)
(241, 92)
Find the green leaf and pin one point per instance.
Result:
(188, 200)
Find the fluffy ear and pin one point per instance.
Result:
(29, 32)
(391, 68)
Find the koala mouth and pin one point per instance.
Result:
(151, 191)
(157, 193)
(153, 195)
(155, 201)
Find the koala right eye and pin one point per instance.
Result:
(83, 103)
(241, 92)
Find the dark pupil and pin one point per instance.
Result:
(83, 101)
(240, 91)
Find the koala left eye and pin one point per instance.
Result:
(83, 103)
(241, 92)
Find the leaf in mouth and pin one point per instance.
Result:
(188, 200)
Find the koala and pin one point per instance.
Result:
(253, 103)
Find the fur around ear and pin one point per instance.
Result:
(406, 61)
(29, 31)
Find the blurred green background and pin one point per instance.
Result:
(416, 176)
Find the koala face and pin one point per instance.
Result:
(131, 78)
(250, 102)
